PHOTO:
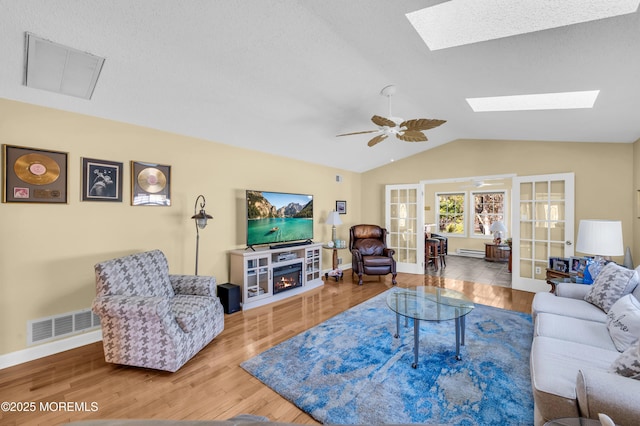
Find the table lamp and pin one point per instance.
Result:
(600, 238)
(334, 219)
(498, 230)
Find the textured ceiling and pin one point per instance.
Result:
(285, 76)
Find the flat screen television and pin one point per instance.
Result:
(278, 217)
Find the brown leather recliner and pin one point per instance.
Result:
(370, 255)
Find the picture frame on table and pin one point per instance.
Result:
(150, 184)
(101, 180)
(33, 175)
(576, 264)
(561, 264)
(341, 207)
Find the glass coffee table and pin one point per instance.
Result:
(427, 303)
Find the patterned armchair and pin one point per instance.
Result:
(369, 252)
(153, 319)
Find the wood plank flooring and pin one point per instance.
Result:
(211, 386)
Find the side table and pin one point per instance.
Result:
(335, 255)
(496, 252)
(554, 277)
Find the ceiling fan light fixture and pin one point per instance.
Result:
(461, 22)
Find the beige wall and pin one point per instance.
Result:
(47, 252)
(604, 174)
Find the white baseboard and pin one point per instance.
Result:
(46, 349)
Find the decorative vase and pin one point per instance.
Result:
(628, 261)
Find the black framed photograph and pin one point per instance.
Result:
(101, 180)
(150, 184)
(341, 207)
(34, 175)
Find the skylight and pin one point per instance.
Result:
(459, 22)
(542, 101)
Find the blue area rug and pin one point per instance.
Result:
(351, 370)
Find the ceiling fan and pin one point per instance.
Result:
(405, 130)
(481, 183)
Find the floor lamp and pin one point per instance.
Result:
(201, 221)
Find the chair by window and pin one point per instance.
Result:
(370, 255)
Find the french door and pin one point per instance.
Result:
(543, 227)
(404, 223)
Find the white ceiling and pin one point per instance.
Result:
(285, 76)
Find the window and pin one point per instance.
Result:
(488, 207)
(450, 215)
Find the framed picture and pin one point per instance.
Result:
(577, 264)
(101, 180)
(34, 175)
(561, 264)
(150, 184)
(341, 207)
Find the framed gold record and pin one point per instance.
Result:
(33, 175)
(150, 184)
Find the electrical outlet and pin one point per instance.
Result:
(339, 261)
(538, 270)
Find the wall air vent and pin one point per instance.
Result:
(61, 69)
(64, 325)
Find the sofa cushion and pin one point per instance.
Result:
(576, 308)
(628, 363)
(554, 367)
(576, 330)
(139, 274)
(623, 322)
(636, 292)
(613, 282)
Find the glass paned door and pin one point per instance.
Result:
(404, 223)
(543, 227)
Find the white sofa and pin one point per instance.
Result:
(576, 352)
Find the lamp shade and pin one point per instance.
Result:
(498, 226)
(600, 237)
(334, 218)
(201, 218)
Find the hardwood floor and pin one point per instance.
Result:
(211, 386)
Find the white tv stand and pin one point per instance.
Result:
(253, 271)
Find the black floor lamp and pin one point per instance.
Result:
(201, 221)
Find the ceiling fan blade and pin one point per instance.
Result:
(377, 140)
(422, 124)
(359, 133)
(412, 136)
(381, 121)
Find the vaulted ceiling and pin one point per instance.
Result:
(285, 76)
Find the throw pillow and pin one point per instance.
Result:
(628, 363)
(623, 322)
(613, 282)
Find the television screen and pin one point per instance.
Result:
(276, 217)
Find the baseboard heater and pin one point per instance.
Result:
(470, 253)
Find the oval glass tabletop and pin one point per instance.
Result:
(429, 303)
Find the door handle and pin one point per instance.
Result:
(568, 243)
